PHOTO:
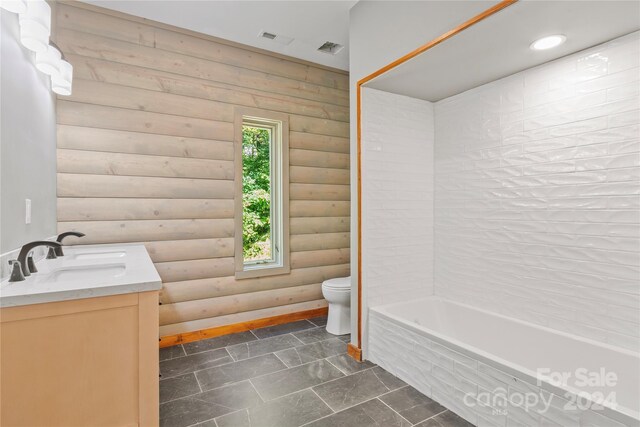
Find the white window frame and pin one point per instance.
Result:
(278, 125)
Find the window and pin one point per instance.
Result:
(262, 184)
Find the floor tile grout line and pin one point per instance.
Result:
(303, 389)
(253, 333)
(342, 410)
(233, 361)
(224, 415)
(433, 416)
(343, 372)
(299, 340)
(245, 379)
(268, 373)
(278, 357)
(181, 397)
(290, 332)
(198, 381)
(333, 411)
(187, 355)
(217, 388)
(260, 340)
(346, 374)
(313, 361)
(199, 370)
(311, 389)
(395, 389)
(256, 340)
(280, 370)
(398, 413)
(258, 392)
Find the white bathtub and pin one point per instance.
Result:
(488, 367)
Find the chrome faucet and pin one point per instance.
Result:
(58, 250)
(26, 250)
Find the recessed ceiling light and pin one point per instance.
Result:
(548, 42)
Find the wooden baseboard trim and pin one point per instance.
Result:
(354, 352)
(186, 337)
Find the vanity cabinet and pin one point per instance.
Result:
(84, 362)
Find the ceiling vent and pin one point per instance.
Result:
(283, 40)
(331, 48)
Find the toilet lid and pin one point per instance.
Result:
(338, 283)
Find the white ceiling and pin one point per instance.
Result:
(499, 45)
(310, 23)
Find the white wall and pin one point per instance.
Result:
(381, 32)
(27, 143)
(537, 195)
(397, 199)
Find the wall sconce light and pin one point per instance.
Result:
(35, 26)
(34, 17)
(61, 82)
(48, 61)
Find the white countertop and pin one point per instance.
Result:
(85, 272)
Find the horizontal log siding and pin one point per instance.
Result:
(145, 154)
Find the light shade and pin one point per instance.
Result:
(35, 26)
(548, 42)
(49, 61)
(61, 83)
(15, 6)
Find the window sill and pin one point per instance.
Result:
(262, 272)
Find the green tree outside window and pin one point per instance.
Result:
(256, 194)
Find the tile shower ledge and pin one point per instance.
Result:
(85, 272)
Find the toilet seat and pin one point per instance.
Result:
(340, 283)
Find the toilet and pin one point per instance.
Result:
(337, 292)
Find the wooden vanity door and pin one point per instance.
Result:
(89, 362)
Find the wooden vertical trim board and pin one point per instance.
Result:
(148, 356)
(356, 352)
(359, 209)
(186, 337)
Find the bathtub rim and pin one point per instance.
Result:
(620, 413)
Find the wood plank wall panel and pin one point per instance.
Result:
(145, 154)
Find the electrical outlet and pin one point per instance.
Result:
(27, 211)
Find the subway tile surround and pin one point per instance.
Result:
(397, 207)
(537, 206)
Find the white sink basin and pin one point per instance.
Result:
(84, 272)
(87, 272)
(98, 255)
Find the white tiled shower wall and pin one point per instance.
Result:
(537, 195)
(397, 196)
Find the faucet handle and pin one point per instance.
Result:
(51, 254)
(16, 271)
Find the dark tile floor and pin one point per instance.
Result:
(287, 375)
